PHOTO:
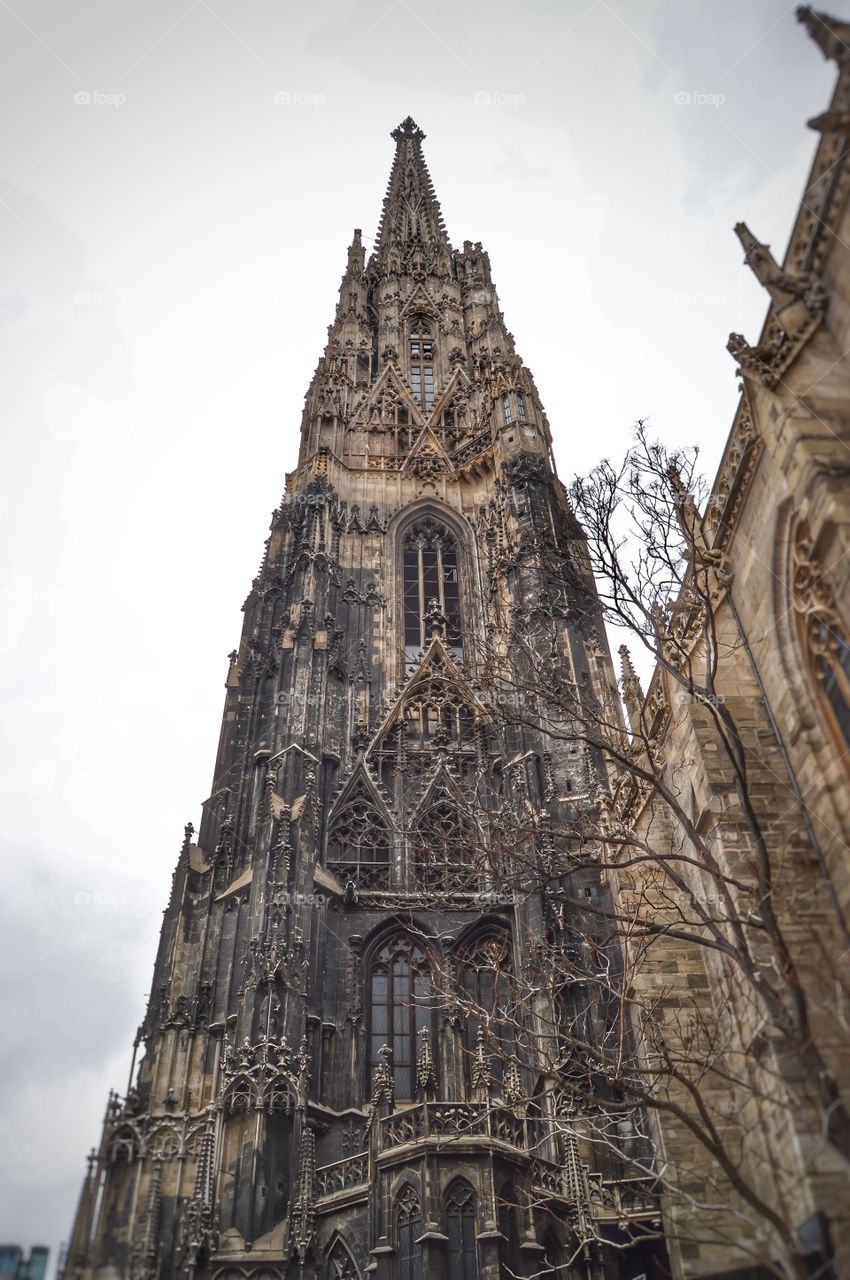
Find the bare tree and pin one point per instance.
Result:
(669, 1018)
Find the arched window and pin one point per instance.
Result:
(437, 707)
(822, 634)
(400, 1004)
(359, 843)
(341, 1265)
(422, 363)
(446, 854)
(430, 575)
(460, 1229)
(484, 974)
(408, 1217)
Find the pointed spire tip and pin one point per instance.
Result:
(407, 129)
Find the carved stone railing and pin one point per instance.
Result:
(472, 449)
(365, 875)
(548, 1177)
(621, 1199)
(610, 1199)
(342, 1174)
(451, 1120)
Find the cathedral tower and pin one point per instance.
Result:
(311, 1099)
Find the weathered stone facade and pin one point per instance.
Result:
(309, 1102)
(313, 1098)
(775, 535)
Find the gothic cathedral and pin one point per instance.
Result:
(312, 1099)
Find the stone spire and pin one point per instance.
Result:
(143, 1256)
(199, 1212)
(303, 1226)
(831, 35)
(632, 690)
(411, 221)
(791, 310)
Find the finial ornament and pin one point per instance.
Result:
(407, 129)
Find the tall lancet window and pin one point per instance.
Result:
(422, 364)
(430, 574)
(460, 1228)
(408, 1230)
(400, 1004)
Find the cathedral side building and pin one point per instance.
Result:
(772, 546)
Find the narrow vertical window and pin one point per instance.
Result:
(520, 406)
(430, 575)
(506, 1218)
(408, 1231)
(399, 1007)
(506, 409)
(359, 844)
(422, 364)
(484, 973)
(460, 1229)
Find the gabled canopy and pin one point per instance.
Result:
(436, 662)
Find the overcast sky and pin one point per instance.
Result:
(179, 182)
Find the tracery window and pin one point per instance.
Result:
(506, 410)
(822, 633)
(460, 1229)
(446, 853)
(430, 575)
(400, 1004)
(520, 406)
(341, 1265)
(484, 974)
(422, 364)
(408, 1230)
(359, 843)
(438, 708)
